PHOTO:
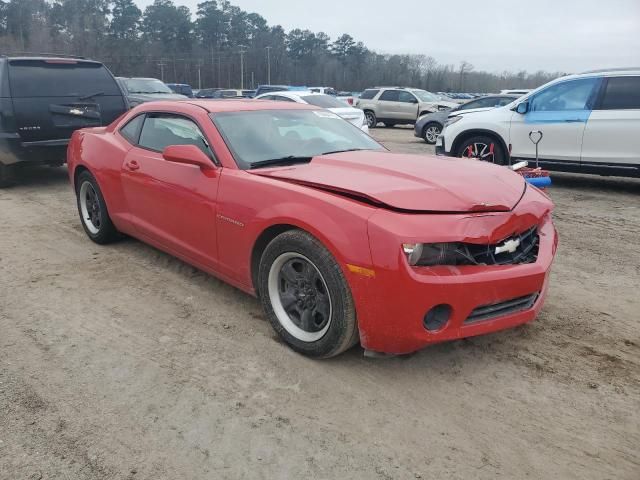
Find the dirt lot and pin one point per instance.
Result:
(122, 362)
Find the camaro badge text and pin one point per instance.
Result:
(230, 220)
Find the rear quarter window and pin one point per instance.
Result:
(40, 78)
(368, 94)
(131, 131)
(621, 93)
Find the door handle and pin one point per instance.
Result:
(132, 165)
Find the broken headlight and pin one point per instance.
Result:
(430, 254)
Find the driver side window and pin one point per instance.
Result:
(161, 130)
(406, 97)
(571, 95)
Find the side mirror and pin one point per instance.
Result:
(187, 154)
(522, 107)
(414, 100)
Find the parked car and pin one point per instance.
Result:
(331, 103)
(182, 89)
(325, 90)
(429, 126)
(43, 99)
(520, 92)
(340, 239)
(345, 97)
(589, 122)
(278, 88)
(140, 90)
(207, 92)
(232, 93)
(398, 105)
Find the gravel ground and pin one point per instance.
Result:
(121, 362)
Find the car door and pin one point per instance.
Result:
(612, 134)
(388, 104)
(560, 112)
(407, 106)
(172, 204)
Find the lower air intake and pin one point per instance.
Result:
(489, 312)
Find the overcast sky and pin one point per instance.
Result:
(494, 35)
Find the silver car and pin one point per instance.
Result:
(429, 126)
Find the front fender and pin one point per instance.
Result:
(250, 204)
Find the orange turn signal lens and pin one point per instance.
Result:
(365, 272)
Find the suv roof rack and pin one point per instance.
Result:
(41, 54)
(618, 69)
(391, 86)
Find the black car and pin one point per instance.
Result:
(181, 88)
(44, 99)
(140, 90)
(207, 92)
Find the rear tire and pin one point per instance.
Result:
(306, 297)
(431, 131)
(93, 212)
(484, 148)
(7, 175)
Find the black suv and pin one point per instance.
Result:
(43, 99)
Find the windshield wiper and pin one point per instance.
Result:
(91, 95)
(289, 160)
(342, 151)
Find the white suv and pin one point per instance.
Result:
(590, 123)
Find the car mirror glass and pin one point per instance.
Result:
(522, 108)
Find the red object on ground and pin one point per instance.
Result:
(362, 206)
(529, 172)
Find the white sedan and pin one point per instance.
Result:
(350, 114)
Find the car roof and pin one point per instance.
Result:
(52, 59)
(138, 78)
(232, 105)
(615, 71)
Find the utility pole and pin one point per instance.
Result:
(268, 65)
(199, 76)
(242, 52)
(161, 64)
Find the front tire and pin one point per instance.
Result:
(483, 148)
(306, 297)
(92, 208)
(431, 131)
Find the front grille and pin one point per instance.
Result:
(525, 252)
(488, 312)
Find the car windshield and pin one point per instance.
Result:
(425, 96)
(324, 101)
(262, 136)
(146, 85)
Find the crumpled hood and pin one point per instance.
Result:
(409, 182)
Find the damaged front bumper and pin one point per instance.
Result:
(393, 306)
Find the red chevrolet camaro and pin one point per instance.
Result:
(340, 239)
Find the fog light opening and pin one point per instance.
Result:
(437, 317)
